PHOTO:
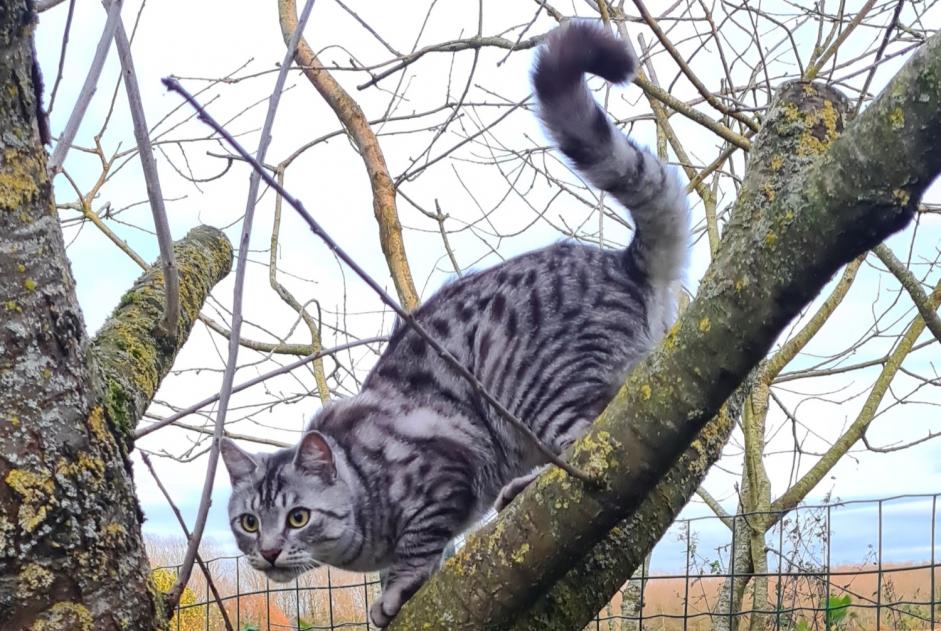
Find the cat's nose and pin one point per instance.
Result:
(271, 555)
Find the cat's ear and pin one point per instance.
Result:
(315, 456)
(240, 464)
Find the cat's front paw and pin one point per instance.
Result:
(378, 616)
(382, 612)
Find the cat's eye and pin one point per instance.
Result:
(248, 522)
(298, 518)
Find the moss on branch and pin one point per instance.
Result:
(777, 253)
(131, 352)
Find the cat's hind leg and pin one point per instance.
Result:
(515, 486)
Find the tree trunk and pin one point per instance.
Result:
(732, 594)
(632, 597)
(71, 553)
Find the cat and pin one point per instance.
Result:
(386, 478)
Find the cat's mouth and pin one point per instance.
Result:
(287, 574)
(283, 574)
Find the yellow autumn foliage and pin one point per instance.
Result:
(191, 618)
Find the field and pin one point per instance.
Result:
(904, 601)
(324, 600)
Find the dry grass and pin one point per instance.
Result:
(331, 598)
(906, 589)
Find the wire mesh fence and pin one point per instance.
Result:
(863, 564)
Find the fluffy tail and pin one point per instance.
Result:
(602, 153)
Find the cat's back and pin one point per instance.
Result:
(562, 301)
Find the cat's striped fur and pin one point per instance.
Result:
(390, 475)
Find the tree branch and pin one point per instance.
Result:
(131, 352)
(352, 117)
(776, 255)
(688, 72)
(866, 415)
(152, 179)
(71, 553)
(927, 310)
(584, 590)
(231, 361)
(777, 363)
(64, 143)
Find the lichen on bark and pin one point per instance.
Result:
(131, 353)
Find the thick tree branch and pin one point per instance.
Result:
(131, 352)
(776, 255)
(585, 589)
(352, 117)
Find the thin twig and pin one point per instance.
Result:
(542, 5)
(140, 433)
(229, 376)
(88, 90)
(684, 67)
(65, 45)
(440, 216)
(186, 533)
(875, 65)
(314, 326)
(474, 43)
(814, 69)
(235, 436)
(174, 85)
(171, 277)
(912, 286)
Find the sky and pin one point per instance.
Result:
(212, 38)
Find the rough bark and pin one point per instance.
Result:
(71, 554)
(131, 353)
(777, 253)
(632, 597)
(577, 597)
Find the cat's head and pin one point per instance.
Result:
(290, 510)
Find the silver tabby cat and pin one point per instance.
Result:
(385, 479)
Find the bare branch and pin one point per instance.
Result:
(922, 302)
(352, 117)
(64, 142)
(228, 377)
(684, 67)
(867, 414)
(171, 276)
(179, 517)
(140, 433)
